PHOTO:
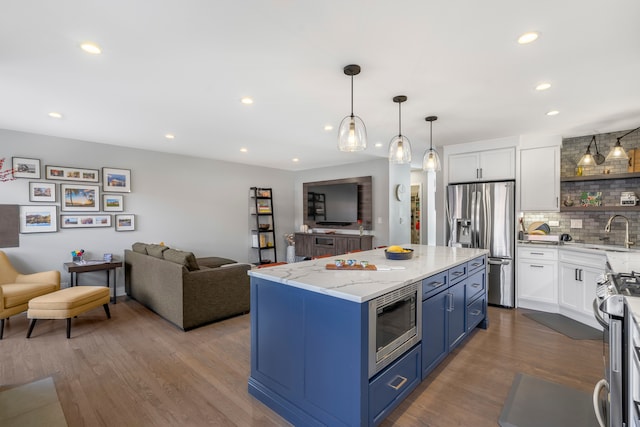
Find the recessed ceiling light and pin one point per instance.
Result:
(170, 136)
(378, 144)
(295, 159)
(543, 86)
(247, 100)
(328, 127)
(243, 150)
(55, 115)
(91, 48)
(553, 113)
(528, 37)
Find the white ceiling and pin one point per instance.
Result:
(181, 67)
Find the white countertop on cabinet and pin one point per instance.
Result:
(364, 285)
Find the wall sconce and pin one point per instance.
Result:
(400, 147)
(588, 159)
(617, 152)
(352, 135)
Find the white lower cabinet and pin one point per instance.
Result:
(537, 278)
(579, 272)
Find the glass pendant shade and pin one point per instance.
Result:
(587, 159)
(352, 135)
(431, 161)
(400, 150)
(617, 152)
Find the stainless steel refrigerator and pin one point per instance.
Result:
(482, 215)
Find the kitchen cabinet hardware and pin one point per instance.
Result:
(402, 382)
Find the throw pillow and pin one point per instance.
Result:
(156, 250)
(139, 247)
(214, 262)
(182, 257)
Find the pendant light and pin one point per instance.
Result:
(588, 159)
(617, 152)
(400, 147)
(431, 160)
(352, 135)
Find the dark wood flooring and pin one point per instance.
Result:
(138, 370)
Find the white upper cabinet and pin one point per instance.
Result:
(540, 179)
(487, 165)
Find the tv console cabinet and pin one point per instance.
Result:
(318, 244)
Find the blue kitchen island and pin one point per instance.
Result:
(312, 342)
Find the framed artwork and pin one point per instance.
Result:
(26, 168)
(42, 191)
(85, 221)
(80, 197)
(38, 219)
(65, 173)
(125, 222)
(112, 203)
(116, 180)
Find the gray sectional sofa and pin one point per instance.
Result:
(185, 290)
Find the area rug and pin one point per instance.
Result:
(31, 405)
(564, 325)
(534, 402)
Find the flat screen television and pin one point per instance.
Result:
(338, 203)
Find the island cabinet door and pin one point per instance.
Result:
(435, 344)
(457, 309)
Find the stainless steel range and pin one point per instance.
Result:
(613, 405)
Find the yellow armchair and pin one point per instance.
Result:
(17, 289)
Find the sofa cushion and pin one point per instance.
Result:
(182, 257)
(140, 248)
(156, 250)
(214, 261)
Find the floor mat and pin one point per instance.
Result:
(534, 402)
(564, 325)
(31, 405)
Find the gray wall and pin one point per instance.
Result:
(377, 169)
(189, 203)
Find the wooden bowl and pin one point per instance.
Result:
(399, 255)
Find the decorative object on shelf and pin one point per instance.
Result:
(588, 159)
(116, 180)
(42, 191)
(431, 160)
(77, 197)
(591, 198)
(126, 222)
(400, 147)
(85, 221)
(568, 202)
(38, 219)
(26, 168)
(64, 173)
(628, 198)
(617, 152)
(352, 134)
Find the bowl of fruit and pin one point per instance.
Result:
(398, 252)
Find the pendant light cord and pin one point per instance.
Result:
(431, 136)
(352, 95)
(400, 119)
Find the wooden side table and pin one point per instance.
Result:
(74, 269)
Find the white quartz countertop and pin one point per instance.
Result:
(364, 285)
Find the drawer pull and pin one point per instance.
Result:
(536, 253)
(457, 273)
(476, 264)
(400, 384)
(536, 266)
(476, 285)
(475, 312)
(436, 284)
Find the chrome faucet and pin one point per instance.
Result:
(607, 229)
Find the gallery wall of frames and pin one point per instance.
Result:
(67, 197)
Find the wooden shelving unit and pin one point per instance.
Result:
(600, 177)
(263, 236)
(599, 208)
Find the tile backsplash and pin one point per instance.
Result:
(593, 223)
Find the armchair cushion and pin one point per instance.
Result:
(182, 257)
(156, 250)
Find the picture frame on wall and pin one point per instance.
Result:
(65, 173)
(125, 222)
(26, 168)
(112, 202)
(80, 197)
(38, 219)
(85, 221)
(116, 180)
(40, 191)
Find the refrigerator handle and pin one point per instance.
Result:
(474, 219)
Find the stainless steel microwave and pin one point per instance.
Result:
(395, 325)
